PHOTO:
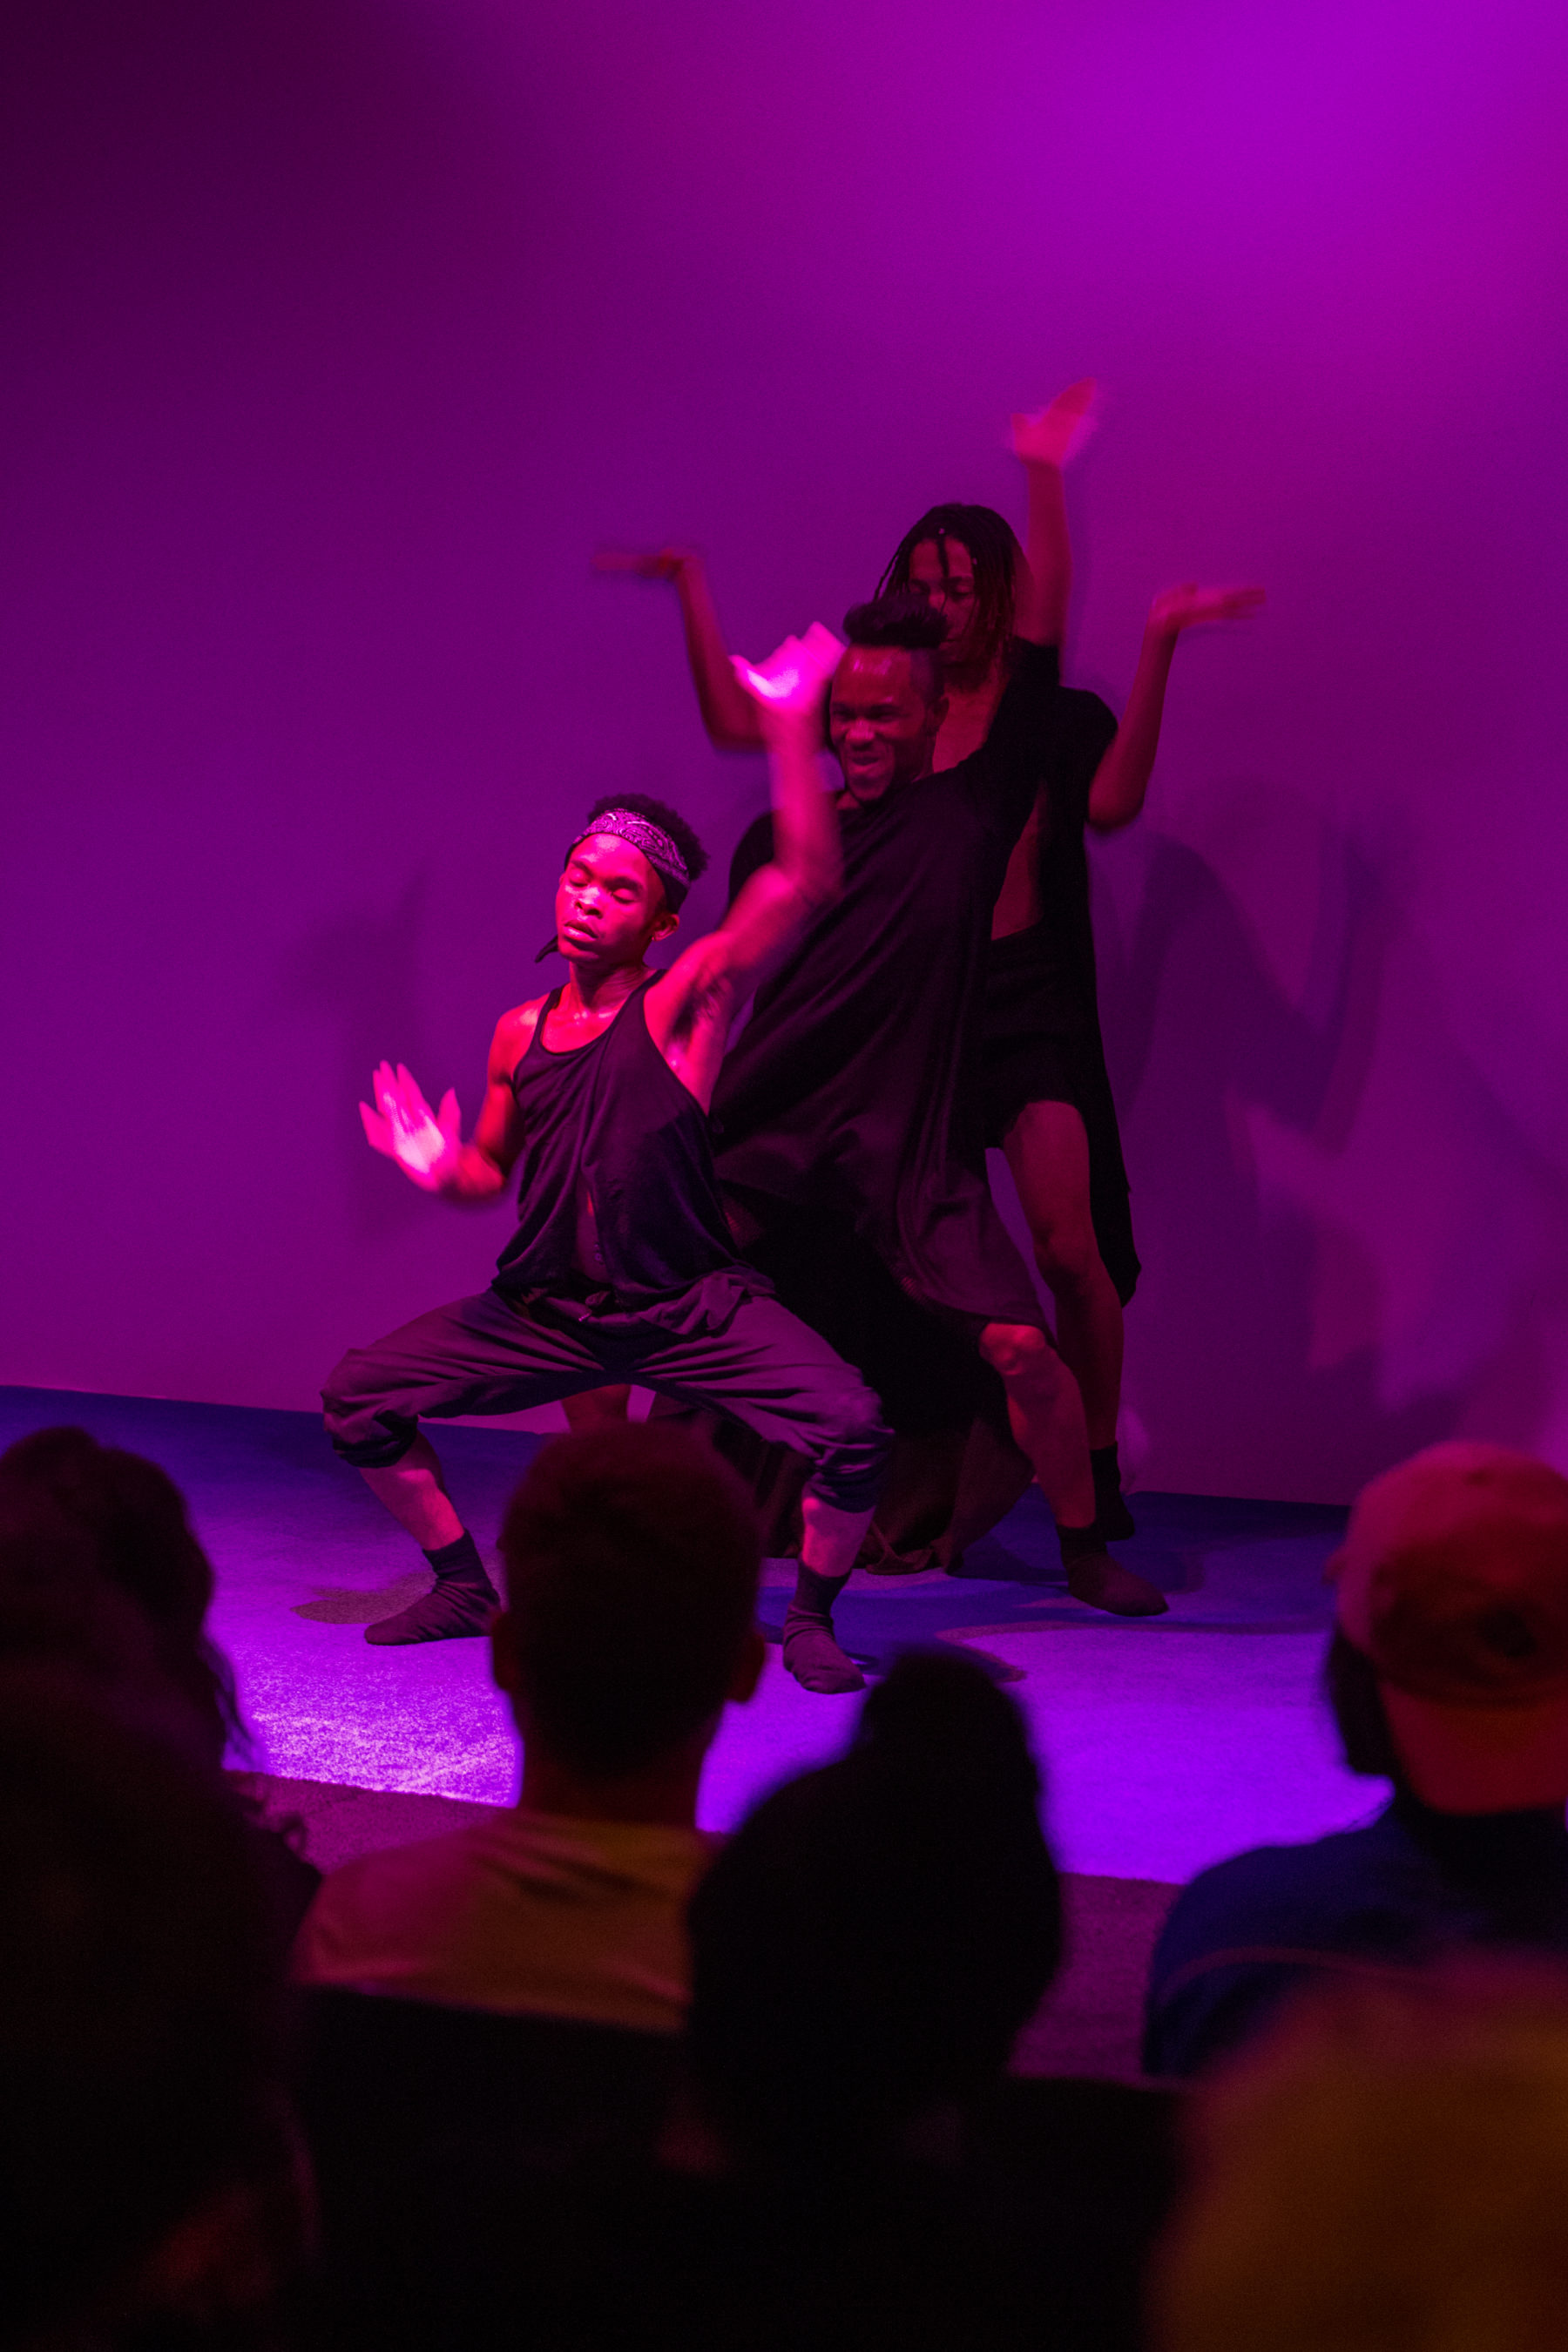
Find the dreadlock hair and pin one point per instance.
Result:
(904, 621)
(994, 550)
(657, 812)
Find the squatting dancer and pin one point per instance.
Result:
(622, 1267)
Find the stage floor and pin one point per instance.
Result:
(1166, 1744)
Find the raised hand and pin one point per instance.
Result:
(425, 1143)
(792, 678)
(1185, 608)
(1051, 436)
(644, 563)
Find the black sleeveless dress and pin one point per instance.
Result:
(614, 1116)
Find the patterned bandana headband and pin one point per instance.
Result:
(652, 840)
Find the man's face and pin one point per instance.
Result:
(882, 728)
(609, 903)
(943, 574)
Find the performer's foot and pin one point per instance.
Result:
(1115, 1520)
(810, 1651)
(1104, 1583)
(461, 1602)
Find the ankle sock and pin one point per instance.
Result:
(1116, 1521)
(461, 1602)
(459, 1560)
(1095, 1578)
(1076, 1541)
(810, 1651)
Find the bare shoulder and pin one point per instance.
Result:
(513, 1031)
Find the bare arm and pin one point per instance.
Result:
(729, 714)
(1045, 442)
(1121, 779)
(427, 1145)
(689, 1013)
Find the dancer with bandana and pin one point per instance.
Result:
(622, 1267)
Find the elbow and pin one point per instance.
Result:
(820, 882)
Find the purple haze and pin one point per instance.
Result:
(337, 338)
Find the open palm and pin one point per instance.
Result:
(425, 1143)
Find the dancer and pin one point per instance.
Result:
(622, 1267)
(1047, 1102)
(845, 1094)
(1047, 1097)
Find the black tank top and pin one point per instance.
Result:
(614, 1114)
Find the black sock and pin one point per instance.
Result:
(460, 1559)
(1076, 1541)
(1110, 1506)
(814, 1593)
(461, 1602)
(811, 1652)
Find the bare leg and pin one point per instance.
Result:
(1046, 1408)
(593, 1408)
(1047, 1152)
(415, 1491)
(832, 1537)
(463, 1600)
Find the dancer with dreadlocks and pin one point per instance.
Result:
(1047, 1099)
(847, 1104)
(622, 1267)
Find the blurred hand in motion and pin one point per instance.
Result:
(1053, 435)
(1188, 605)
(644, 563)
(425, 1143)
(792, 678)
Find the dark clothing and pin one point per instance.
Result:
(1020, 2246)
(1413, 1884)
(612, 1115)
(492, 1354)
(1042, 1040)
(676, 1308)
(847, 1090)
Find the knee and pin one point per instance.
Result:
(853, 1454)
(363, 1434)
(1020, 1352)
(1067, 1254)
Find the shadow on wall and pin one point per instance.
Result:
(1341, 1265)
(361, 973)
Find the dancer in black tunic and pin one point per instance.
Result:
(622, 1267)
(849, 1092)
(1047, 1101)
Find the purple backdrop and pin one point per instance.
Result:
(338, 336)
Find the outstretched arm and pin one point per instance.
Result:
(1046, 441)
(427, 1145)
(1121, 779)
(691, 1011)
(729, 714)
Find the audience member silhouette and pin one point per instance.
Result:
(1385, 2172)
(150, 2187)
(1449, 1675)
(134, 1516)
(870, 1941)
(631, 1558)
(105, 1558)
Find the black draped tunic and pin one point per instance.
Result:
(850, 1089)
